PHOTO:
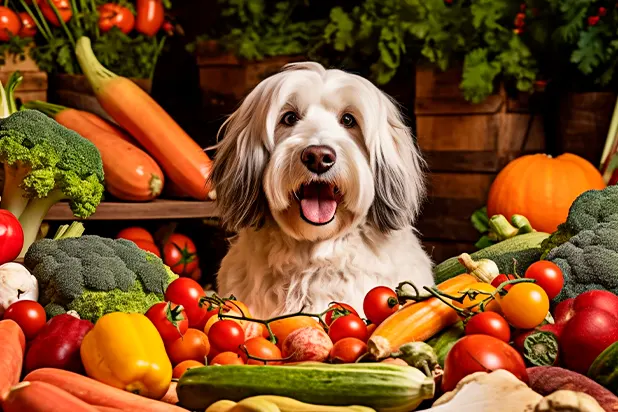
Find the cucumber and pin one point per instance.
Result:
(384, 387)
(526, 249)
(444, 341)
(604, 369)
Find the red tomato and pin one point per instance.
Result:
(347, 350)
(194, 345)
(11, 237)
(147, 246)
(489, 323)
(150, 16)
(261, 348)
(187, 293)
(341, 309)
(525, 305)
(480, 353)
(29, 315)
(183, 366)
(169, 319)
(63, 7)
(135, 233)
(10, 23)
(227, 358)
(115, 15)
(180, 255)
(500, 279)
(28, 26)
(226, 336)
(349, 326)
(548, 276)
(380, 302)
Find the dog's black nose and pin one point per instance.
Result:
(318, 159)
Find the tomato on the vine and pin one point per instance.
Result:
(147, 246)
(187, 293)
(184, 366)
(194, 345)
(226, 336)
(548, 276)
(29, 315)
(28, 26)
(179, 253)
(349, 326)
(500, 279)
(227, 358)
(379, 303)
(115, 15)
(347, 350)
(169, 319)
(10, 23)
(135, 233)
(474, 304)
(525, 305)
(489, 323)
(63, 7)
(260, 348)
(283, 327)
(11, 237)
(340, 309)
(150, 16)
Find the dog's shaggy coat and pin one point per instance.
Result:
(309, 235)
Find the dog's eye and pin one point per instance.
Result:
(348, 120)
(289, 119)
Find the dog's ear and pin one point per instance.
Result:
(399, 172)
(239, 164)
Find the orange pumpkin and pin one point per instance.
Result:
(542, 188)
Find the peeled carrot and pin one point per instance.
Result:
(134, 110)
(13, 348)
(130, 173)
(419, 321)
(107, 126)
(42, 397)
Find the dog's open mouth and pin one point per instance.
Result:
(318, 202)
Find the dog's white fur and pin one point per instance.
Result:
(278, 263)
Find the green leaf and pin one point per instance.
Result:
(478, 75)
(480, 220)
(590, 52)
(483, 242)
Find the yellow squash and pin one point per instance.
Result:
(125, 350)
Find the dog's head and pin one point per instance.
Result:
(321, 151)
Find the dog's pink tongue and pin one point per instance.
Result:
(318, 203)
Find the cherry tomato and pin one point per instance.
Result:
(187, 293)
(135, 233)
(227, 358)
(548, 276)
(180, 255)
(474, 304)
(349, 326)
(29, 315)
(283, 327)
(64, 9)
(380, 302)
(347, 350)
(194, 345)
(169, 319)
(341, 309)
(500, 279)
(10, 24)
(115, 15)
(28, 26)
(11, 237)
(147, 246)
(226, 336)
(480, 353)
(525, 305)
(260, 348)
(183, 366)
(150, 16)
(489, 323)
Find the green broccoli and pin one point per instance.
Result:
(589, 260)
(588, 210)
(45, 163)
(94, 276)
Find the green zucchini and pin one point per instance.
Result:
(526, 249)
(381, 386)
(444, 341)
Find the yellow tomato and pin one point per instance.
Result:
(474, 304)
(525, 305)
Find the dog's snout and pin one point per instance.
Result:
(318, 159)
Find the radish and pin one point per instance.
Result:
(585, 336)
(307, 344)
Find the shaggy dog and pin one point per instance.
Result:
(321, 180)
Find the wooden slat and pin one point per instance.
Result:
(460, 186)
(439, 251)
(28, 96)
(461, 161)
(33, 80)
(467, 133)
(13, 63)
(158, 209)
(449, 219)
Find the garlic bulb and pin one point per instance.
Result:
(485, 270)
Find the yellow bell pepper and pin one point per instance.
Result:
(125, 350)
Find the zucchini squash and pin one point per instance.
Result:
(380, 386)
(526, 249)
(444, 341)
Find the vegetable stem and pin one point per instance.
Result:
(33, 216)
(14, 81)
(94, 71)
(62, 23)
(44, 24)
(13, 197)
(501, 227)
(156, 57)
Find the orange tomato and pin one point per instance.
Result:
(525, 305)
(283, 327)
(261, 348)
(183, 366)
(474, 304)
(193, 345)
(227, 358)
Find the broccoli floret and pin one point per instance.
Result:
(589, 261)
(588, 210)
(95, 276)
(45, 163)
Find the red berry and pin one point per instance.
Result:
(518, 31)
(593, 20)
(522, 7)
(602, 11)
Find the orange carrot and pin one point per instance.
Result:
(107, 126)
(134, 110)
(42, 397)
(13, 344)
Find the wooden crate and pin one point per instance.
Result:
(34, 84)
(465, 145)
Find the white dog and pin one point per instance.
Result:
(321, 179)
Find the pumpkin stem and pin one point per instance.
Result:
(502, 228)
(522, 223)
